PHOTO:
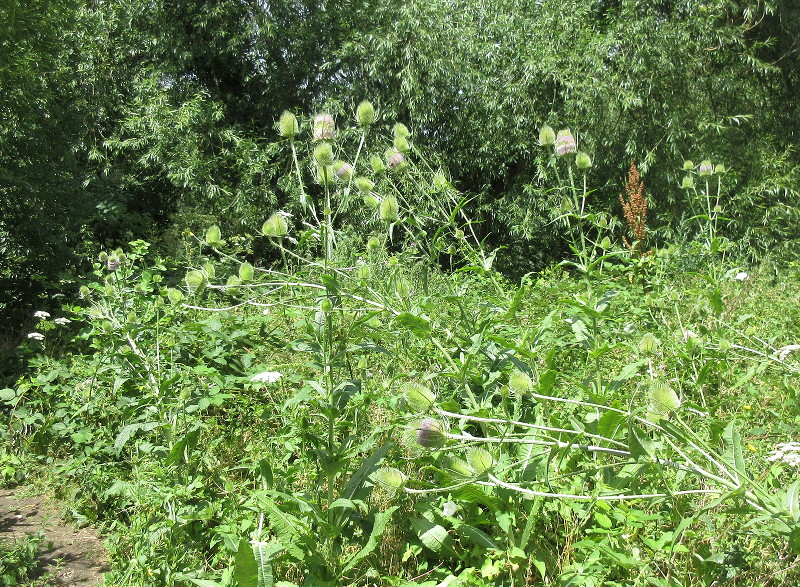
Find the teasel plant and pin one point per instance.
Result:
(644, 452)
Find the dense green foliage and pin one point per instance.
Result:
(546, 333)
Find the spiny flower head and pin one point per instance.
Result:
(324, 127)
(565, 143)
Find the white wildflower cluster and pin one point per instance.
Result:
(36, 336)
(787, 453)
(62, 321)
(783, 352)
(267, 377)
(41, 315)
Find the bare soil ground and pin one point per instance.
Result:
(69, 556)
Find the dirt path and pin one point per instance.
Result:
(76, 556)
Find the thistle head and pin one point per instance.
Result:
(429, 434)
(565, 143)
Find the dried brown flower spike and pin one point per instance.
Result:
(634, 207)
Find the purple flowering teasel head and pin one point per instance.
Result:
(565, 143)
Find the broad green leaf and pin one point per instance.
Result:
(433, 536)
(416, 324)
(378, 526)
(127, 432)
(245, 568)
(733, 448)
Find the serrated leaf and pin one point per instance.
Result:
(127, 432)
(245, 569)
(378, 526)
(287, 528)
(416, 324)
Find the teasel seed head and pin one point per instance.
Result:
(519, 382)
(373, 243)
(377, 164)
(583, 161)
(400, 130)
(364, 185)
(389, 209)
(365, 113)
(323, 154)
(417, 396)
(390, 478)
(401, 144)
(687, 183)
(275, 226)
(649, 344)
(565, 143)
(547, 136)
(246, 271)
(371, 201)
(343, 170)
(429, 434)
(688, 165)
(288, 126)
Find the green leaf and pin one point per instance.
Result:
(378, 526)
(791, 500)
(245, 568)
(416, 324)
(433, 536)
(639, 444)
(287, 528)
(127, 432)
(733, 448)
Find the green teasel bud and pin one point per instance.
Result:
(519, 382)
(705, 168)
(363, 272)
(583, 161)
(364, 185)
(389, 209)
(233, 280)
(605, 244)
(246, 271)
(459, 234)
(377, 164)
(195, 280)
(109, 290)
(440, 182)
(84, 291)
(649, 344)
(373, 243)
(417, 396)
(175, 296)
(547, 136)
(323, 127)
(107, 326)
(288, 126)
(159, 302)
(687, 183)
(403, 288)
(724, 345)
(343, 170)
(688, 165)
(662, 399)
(371, 201)
(480, 460)
(429, 434)
(103, 256)
(566, 205)
(365, 113)
(717, 209)
(275, 226)
(214, 237)
(211, 271)
(719, 169)
(390, 478)
(323, 154)
(326, 305)
(401, 144)
(324, 175)
(400, 130)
